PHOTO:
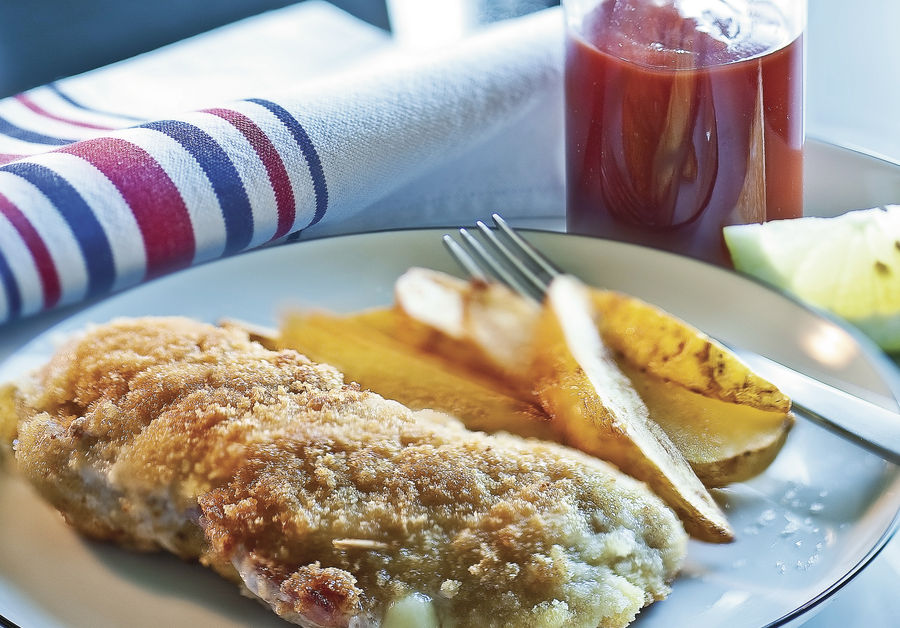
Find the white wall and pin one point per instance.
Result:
(853, 74)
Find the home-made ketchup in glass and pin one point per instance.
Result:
(683, 116)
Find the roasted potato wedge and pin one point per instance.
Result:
(667, 347)
(376, 361)
(598, 411)
(727, 435)
(492, 320)
(8, 421)
(723, 442)
(486, 326)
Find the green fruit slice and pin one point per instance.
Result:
(849, 264)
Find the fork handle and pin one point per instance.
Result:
(857, 420)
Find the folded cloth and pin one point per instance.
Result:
(104, 185)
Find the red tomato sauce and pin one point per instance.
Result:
(674, 130)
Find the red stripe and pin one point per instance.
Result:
(5, 158)
(153, 197)
(268, 154)
(33, 106)
(46, 268)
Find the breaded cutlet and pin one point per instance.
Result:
(328, 503)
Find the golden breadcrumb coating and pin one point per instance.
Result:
(129, 424)
(329, 503)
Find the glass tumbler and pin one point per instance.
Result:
(682, 117)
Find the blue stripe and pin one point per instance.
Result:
(77, 213)
(11, 288)
(309, 152)
(63, 96)
(224, 177)
(11, 130)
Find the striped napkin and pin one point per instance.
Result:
(104, 184)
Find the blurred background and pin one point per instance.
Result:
(853, 57)
(43, 40)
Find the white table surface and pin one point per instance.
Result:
(853, 99)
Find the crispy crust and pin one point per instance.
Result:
(327, 502)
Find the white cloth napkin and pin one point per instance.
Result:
(302, 120)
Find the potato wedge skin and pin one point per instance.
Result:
(671, 349)
(723, 442)
(741, 467)
(376, 361)
(597, 410)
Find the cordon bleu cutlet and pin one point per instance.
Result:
(331, 504)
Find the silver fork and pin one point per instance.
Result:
(504, 255)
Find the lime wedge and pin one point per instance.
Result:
(849, 264)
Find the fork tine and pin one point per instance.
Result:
(525, 247)
(463, 258)
(488, 261)
(538, 285)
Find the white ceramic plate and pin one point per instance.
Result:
(809, 523)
